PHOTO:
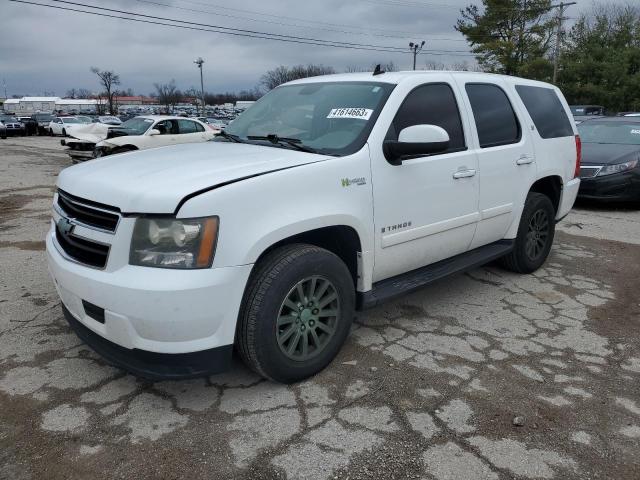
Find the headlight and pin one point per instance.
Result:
(618, 168)
(174, 243)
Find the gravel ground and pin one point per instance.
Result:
(487, 375)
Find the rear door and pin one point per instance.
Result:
(506, 159)
(190, 131)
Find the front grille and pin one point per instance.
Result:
(90, 213)
(589, 172)
(82, 250)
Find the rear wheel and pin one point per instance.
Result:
(296, 313)
(535, 235)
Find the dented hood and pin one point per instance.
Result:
(156, 180)
(92, 132)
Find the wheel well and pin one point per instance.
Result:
(551, 187)
(338, 239)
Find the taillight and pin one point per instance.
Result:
(576, 174)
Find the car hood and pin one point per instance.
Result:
(156, 180)
(609, 153)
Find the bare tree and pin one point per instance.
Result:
(168, 94)
(283, 74)
(71, 93)
(108, 80)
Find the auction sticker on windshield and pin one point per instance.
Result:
(361, 113)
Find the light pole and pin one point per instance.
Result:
(199, 61)
(415, 48)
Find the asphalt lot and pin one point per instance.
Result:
(429, 386)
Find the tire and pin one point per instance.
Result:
(266, 347)
(535, 235)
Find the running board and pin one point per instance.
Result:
(408, 282)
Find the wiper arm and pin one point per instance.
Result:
(229, 136)
(275, 139)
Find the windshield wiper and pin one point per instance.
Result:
(228, 136)
(276, 140)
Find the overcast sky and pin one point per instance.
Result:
(46, 50)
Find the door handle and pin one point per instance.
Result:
(524, 160)
(464, 173)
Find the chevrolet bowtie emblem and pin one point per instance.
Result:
(65, 226)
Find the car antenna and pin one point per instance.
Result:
(378, 70)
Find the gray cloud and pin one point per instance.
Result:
(50, 50)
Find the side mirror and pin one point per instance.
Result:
(154, 131)
(415, 141)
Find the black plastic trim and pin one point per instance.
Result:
(151, 365)
(93, 311)
(415, 279)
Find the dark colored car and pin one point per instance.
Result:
(14, 126)
(30, 125)
(610, 167)
(43, 120)
(586, 112)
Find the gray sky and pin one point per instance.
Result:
(45, 50)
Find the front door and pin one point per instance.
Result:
(425, 209)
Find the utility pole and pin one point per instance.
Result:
(556, 50)
(415, 49)
(199, 61)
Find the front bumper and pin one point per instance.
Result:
(619, 187)
(157, 315)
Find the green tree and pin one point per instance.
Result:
(509, 35)
(601, 59)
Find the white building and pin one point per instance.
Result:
(68, 105)
(11, 105)
(28, 105)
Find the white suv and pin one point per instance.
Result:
(327, 195)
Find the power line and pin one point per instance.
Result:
(265, 14)
(272, 22)
(221, 27)
(150, 19)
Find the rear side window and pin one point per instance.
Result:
(546, 111)
(496, 121)
(432, 104)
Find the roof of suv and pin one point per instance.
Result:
(398, 77)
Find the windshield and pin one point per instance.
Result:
(8, 118)
(70, 120)
(334, 118)
(610, 132)
(44, 118)
(137, 125)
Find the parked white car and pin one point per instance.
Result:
(138, 133)
(63, 125)
(328, 194)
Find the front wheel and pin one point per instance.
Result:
(535, 235)
(296, 313)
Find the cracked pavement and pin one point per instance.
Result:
(486, 375)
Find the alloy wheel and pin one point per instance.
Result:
(308, 318)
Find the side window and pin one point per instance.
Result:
(167, 127)
(496, 121)
(199, 128)
(187, 126)
(432, 104)
(546, 111)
